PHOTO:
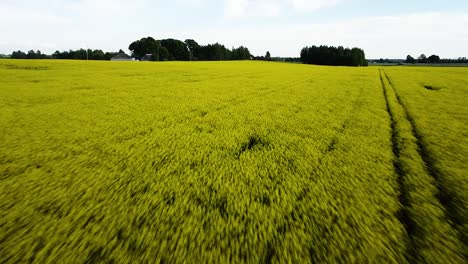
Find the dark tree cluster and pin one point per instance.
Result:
(211, 52)
(176, 50)
(267, 57)
(410, 59)
(30, 55)
(458, 60)
(434, 59)
(423, 59)
(241, 53)
(80, 54)
(148, 46)
(338, 56)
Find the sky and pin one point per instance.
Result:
(383, 28)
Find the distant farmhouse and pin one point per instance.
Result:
(122, 57)
(147, 57)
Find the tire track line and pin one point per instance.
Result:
(443, 195)
(404, 214)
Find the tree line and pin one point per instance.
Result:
(209, 52)
(150, 49)
(337, 56)
(268, 57)
(30, 55)
(433, 59)
(188, 50)
(80, 54)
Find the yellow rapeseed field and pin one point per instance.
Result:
(232, 162)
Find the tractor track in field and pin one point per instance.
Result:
(443, 193)
(404, 214)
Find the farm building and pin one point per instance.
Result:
(122, 57)
(147, 57)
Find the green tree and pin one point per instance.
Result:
(31, 54)
(178, 50)
(433, 59)
(325, 55)
(144, 46)
(410, 59)
(422, 58)
(18, 55)
(241, 53)
(193, 47)
(96, 55)
(164, 54)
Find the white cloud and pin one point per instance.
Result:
(105, 8)
(13, 14)
(113, 24)
(191, 3)
(444, 34)
(30, 45)
(236, 8)
(263, 8)
(271, 8)
(313, 5)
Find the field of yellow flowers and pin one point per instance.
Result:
(232, 162)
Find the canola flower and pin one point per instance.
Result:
(231, 162)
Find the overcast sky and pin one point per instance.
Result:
(383, 28)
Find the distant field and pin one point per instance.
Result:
(243, 162)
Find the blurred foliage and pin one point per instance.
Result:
(216, 162)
